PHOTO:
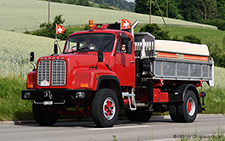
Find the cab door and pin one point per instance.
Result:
(125, 61)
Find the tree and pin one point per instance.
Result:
(49, 29)
(83, 2)
(221, 9)
(208, 9)
(190, 10)
(143, 6)
(174, 12)
(155, 30)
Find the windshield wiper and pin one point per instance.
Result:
(105, 46)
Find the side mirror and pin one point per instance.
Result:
(55, 49)
(129, 47)
(31, 56)
(100, 56)
(31, 60)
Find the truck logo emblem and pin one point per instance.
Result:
(48, 94)
(45, 83)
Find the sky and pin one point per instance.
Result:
(130, 0)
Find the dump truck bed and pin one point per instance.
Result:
(173, 60)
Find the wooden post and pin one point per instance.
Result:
(48, 11)
(161, 13)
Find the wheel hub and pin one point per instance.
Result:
(109, 108)
(191, 107)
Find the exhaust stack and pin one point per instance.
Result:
(133, 26)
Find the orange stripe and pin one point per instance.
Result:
(167, 55)
(195, 57)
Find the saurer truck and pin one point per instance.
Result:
(99, 79)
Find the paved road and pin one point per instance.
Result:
(156, 129)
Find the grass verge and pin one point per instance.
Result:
(12, 107)
(215, 100)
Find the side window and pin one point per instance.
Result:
(124, 46)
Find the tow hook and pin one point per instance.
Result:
(203, 95)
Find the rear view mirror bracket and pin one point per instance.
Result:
(31, 60)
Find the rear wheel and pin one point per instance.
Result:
(105, 108)
(173, 112)
(187, 111)
(138, 115)
(45, 115)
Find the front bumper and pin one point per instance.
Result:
(57, 96)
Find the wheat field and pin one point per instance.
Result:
(29, 14)
(15, 51)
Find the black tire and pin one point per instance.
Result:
(173, 112)
(44, 115)
(107, 101)
(187, 111)
(138, 115)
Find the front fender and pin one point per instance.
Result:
(90, 79)
(107, 77)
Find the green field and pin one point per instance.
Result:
(25, 15)
(208, 36)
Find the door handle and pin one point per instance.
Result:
(132, 62)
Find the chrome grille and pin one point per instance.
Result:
(44, 73)
(58, 73)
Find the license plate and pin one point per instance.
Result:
(48, 102)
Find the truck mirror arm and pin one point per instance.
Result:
(56, 44)
(31, 60)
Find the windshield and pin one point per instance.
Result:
(90, 42)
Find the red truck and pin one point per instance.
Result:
(94, 76)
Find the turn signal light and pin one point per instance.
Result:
(30, 86)
(85, 85)
(90, 23)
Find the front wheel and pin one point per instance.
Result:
(45, 115)
(105, 108)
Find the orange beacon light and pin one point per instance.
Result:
(90, 23)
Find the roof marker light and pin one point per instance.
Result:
(90, 23)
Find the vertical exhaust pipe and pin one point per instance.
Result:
(133, 26)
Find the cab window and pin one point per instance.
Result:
(124, 46)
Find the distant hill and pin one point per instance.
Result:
(121, 4)
(29, 14)
(107, 4)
